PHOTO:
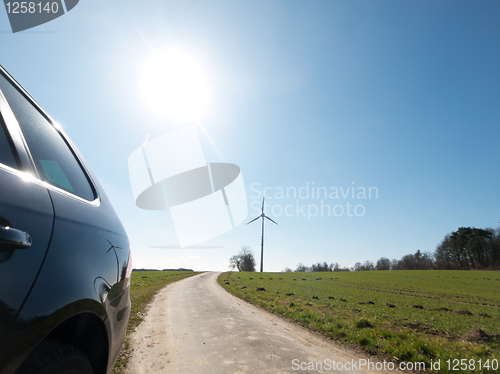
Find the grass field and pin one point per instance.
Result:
(144, 285)
(400, 315)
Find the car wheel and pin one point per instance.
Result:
(56, 359)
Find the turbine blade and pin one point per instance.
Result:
(263, 199)
(255, 219)
(269, 219)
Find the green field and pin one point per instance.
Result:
(143, 286)
(398, 315)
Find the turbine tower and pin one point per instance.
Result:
(262, 242)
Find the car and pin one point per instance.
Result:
(65, 261)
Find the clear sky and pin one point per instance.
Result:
(402, 96)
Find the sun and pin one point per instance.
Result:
(174, 85)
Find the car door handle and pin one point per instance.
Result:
(13, 239)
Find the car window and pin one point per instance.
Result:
(6, 154)
(54, 160)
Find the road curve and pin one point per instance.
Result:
(195, 326)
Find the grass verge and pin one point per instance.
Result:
(411, 316)
(144, 285)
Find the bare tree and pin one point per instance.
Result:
(383, 263)
(301, 268)
(366, 266)
(243, 261)
(320, 267)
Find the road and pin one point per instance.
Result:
(195, 326)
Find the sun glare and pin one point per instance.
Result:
(174, 85)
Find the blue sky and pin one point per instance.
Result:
(398, 95)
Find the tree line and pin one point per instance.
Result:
(468, 248)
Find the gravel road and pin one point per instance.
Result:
(195, 326)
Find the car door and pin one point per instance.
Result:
(26, 219)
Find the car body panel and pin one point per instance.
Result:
(25, 206)
(80, 274)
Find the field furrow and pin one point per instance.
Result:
(400, 315)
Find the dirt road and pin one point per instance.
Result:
(195, 326)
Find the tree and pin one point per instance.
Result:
(243, 261)
(383, 263)
(417, 261)
(469, 248)
(368, 266)
(321, 267)
(425, 261)
(395, 264)
(301, 268)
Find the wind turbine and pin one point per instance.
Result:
(262, 242)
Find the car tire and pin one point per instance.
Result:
(56, 359)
